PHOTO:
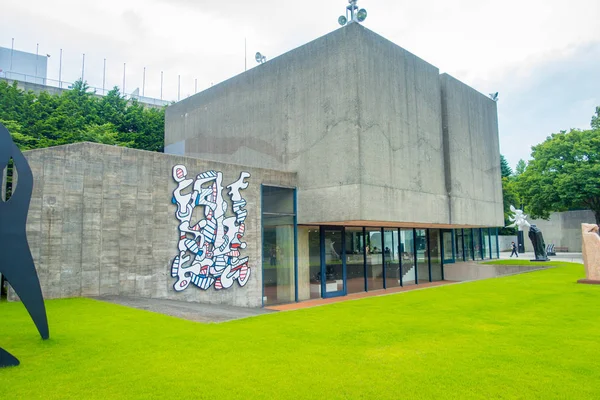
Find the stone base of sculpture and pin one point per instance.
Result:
(591, 253)
(589, 282)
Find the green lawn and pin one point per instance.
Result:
(535, 335)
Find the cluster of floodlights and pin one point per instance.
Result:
(353, 14)
(260, 58)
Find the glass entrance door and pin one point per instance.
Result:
(448, 247)
(333, 262)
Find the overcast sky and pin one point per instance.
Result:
(542, 56)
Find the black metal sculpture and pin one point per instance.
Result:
(16, 262)
(537, 240)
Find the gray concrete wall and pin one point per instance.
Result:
(400, 131)
(563, 229)
(469, 271)
(472, 154)
(358, 118)
(296, 112)
(34, 87)
(101, 222)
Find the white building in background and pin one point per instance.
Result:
(23, 66)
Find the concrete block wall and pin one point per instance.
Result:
(563, 229)
(472, 155)
(101, 222)
(297, 112)
(400, 132)
(361, 121)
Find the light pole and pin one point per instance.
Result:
(60, 69)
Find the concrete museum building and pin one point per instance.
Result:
(397, 166)
(343, 166)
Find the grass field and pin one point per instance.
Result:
(535, 335)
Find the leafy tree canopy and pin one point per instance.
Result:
(564, 173)
(77, 115)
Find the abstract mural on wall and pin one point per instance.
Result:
(209, 247)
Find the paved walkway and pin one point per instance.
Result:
(354, 296)
(198, 312)
(570, 257)
(208, 313)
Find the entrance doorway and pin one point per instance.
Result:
(333, 262)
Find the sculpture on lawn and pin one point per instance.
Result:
(16, 262)
(519, 219)
(591, 253)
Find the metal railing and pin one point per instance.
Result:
(63, 85)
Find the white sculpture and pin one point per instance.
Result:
(519, 219)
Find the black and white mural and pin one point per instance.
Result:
(210, 242)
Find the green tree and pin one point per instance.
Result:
(521, 165)
(505, 169)
(564, 173)
(76, 115)
(596, 119)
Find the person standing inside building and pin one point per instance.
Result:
(513, 246)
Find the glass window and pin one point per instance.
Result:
(459, 245)
(485, 237)
(468, 238)
(278, 259)
(334, 260)
(278, 222)
(422, 256)
(448, 245)
(277, 200)
(407, 256)
(390, 255)
(355, 260)
(494, 237)
(309, 262)
(477, 243)
(435, 254)
(374, 250)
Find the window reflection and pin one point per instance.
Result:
(309, 262)
(355, 260)
(435, 254)
(390, 256)
(374, 250)
(422, 256)
(278, 247)
(459, 244)
(494, 235)
(278, 260)
(485, 236)
(407, 257)
(468, 238)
